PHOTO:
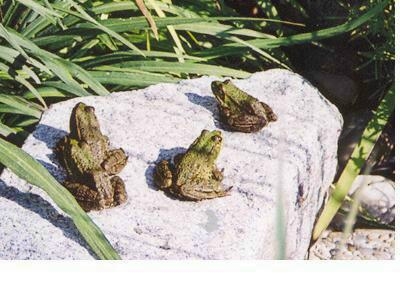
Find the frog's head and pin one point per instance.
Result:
(227, 94)
(83, 121)
(209, 143)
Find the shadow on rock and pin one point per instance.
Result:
(55, 170)
(49, 135)
(167, 154)
(44, 209)
(210, 104)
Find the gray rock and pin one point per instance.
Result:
(361, 244)
(291, 162)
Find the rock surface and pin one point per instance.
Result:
(361, 244)
(293, 159)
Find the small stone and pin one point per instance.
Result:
(376, 195)
(361, 244)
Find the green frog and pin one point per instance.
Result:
(90, 163)
(194, 176)
(241, 111)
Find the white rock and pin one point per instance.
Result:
(160, 121)
(361, 244)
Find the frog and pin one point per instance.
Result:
(89, 162)
(193, 175)
(239, 110)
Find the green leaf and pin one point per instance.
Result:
(353, 167)
(22, 106)
(27, 168)
(175, 68)
(131, 79)
(41, 10)
(82, 14)
(62, 68)
(5, 130)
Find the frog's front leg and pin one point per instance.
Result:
(115, 161)
(195, 191)
(218, 174)
(163, 175)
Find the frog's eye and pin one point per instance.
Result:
(216, 138)
(89, 109)
(228, 81)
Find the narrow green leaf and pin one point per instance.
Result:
(21, 105)
(41, 10)
(130, 79)
(175, 68)
(17, 77)
(10, 38)
(48, 92)
(125, 56)
(62, 68)
(27, 168)
(82, 14)
(5, 130)
(353, 167)
(148, 16)
(214, 28)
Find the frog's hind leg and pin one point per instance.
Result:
(272, 117)
(87, 198)
(203, 190)
(247, 123)
(120, 195)
(115, 161)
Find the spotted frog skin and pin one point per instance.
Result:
(194, 176)
(90, 163)
(239, 110)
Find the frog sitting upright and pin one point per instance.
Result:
(89, 162)
(239, 110)
(193, 175)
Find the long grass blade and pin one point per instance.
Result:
(20, 105)
(179, 48)
(82, 14)
(174, 68)
(41, 10)
(148, 16)
(5, 130)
